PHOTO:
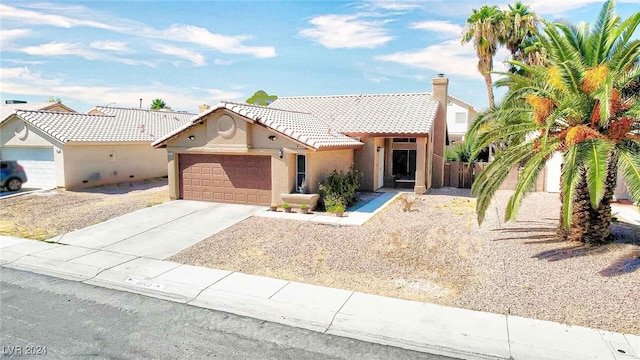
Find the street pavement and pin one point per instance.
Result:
(61, 319)
(105, 256)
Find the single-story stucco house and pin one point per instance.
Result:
(74, 150)
(251, 154)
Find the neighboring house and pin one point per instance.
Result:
(12, 105)
(109, 145)
(36, 158)
(460, 116)
(243, 153)
(552, 172)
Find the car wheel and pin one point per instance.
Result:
(14, 184)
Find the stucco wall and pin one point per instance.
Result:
(91, 165)
(16, 132)
(365, 161)
(322, 163)
(452, 126)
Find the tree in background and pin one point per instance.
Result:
(159, 104)
(583, 103)
(261, 98)
(54, 99)
(520, 26)
(485, 28)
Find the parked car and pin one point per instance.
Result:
(12, 175)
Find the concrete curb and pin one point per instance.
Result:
(411, 325)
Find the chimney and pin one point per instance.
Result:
(202, 108)
(440, 94)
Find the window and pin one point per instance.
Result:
(404, 164)
(404, 140)
(461, 118)
(301, 169)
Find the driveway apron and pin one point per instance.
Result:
(160, 231)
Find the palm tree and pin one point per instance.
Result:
(520, 27)
(159, 104)
(580, 104)
(485, 27)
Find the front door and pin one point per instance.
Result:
(380, 167)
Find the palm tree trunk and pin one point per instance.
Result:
(489, 83)
(563, 233)
(589, 225)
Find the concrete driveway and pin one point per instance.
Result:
(160, 231)
(25, 190)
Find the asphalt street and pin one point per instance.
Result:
(48, 318)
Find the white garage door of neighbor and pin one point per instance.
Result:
(38, 163)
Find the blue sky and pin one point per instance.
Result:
(189, 53)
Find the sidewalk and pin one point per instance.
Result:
(407, 324)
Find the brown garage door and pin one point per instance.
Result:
(234, 179)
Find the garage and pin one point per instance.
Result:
(236, 179)
(38, 163)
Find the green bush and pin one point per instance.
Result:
(340, 188)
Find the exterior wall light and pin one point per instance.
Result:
(272, 137)
(378, 149)
(191, 137)
(280, 153)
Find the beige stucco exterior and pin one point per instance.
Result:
(79, 165)
(224, 133)
(17, 133)
(98, 164)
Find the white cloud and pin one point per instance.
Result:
(6, 36)
(76, 49)
(109, 45)
(444, 27)
(193, 57)
(61, 49)
(40, 18)
(202, 36)
(395, 5)
(82, 16)
(448, 57)
(347, 31)
(22, 81)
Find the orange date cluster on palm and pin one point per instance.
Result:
(594, 77)
(542, 107)
(580, 133)
(620, 129)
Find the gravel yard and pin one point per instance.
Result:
(437, 253)
(43, 215)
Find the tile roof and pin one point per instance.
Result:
(410, 113)
(7, 109)
(157, 122)
(300, 126)
(123, 126)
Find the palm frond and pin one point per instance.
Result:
(571, 167)
(623, 37)
(596, 153)
(600, 39)
(489, 181)
(527, 179)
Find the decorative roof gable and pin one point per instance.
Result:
(299, 126)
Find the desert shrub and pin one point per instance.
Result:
(340, 187)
